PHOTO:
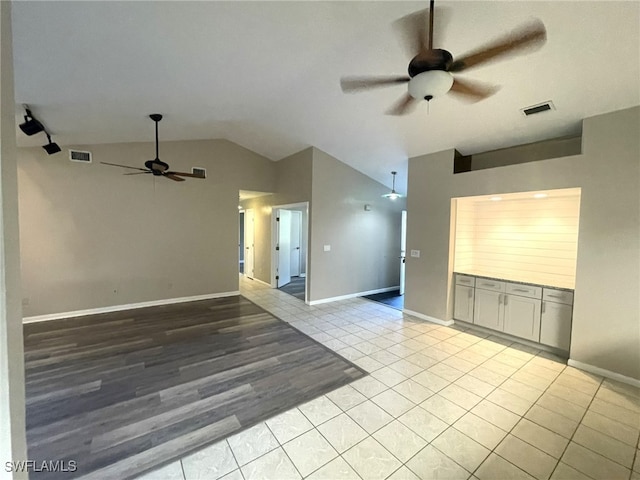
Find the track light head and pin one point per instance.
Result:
(31, 126)
(51, 147)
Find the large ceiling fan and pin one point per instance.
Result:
(431, 69)
(156, 166)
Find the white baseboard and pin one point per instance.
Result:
(604, 373)
(421, 316)
(261, 281)
(353, 295)
(130, 306)
(302, 275)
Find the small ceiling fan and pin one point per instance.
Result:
(156, 166)
(430, 70)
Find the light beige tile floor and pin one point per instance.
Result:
(440, 403)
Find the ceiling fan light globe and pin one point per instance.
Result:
(430, 84)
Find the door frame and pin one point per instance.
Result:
(249, 212)
(274, 243)
(297, 236)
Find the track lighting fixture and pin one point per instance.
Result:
(51, 147)
(31, 126)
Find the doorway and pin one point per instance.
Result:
(241, 242)
(249, 243)
(290, 240)
(395, 298)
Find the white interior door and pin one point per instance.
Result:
(403, 250)
(284, 247)
(249, 239)
(296, 243)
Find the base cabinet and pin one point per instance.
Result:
(522, 317)
(535, 313)
(556, 325)
(488, 311)
(463, 305)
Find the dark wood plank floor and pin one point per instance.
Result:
(124, 392)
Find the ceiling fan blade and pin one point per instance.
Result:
(182, 174)
(356, 84)
(412, 30)
(527, 36)
(472, 91)
(138, 173)
(123, 166)
(403, 106)
(173, 177)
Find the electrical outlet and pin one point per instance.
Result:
(327, 248)
(415, 253)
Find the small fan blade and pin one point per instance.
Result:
(403, 106)
(530, 35)
(356, 84)
(472, 91)
(182, 174)
(123, 166)
(138, 173)
(173, 177)
(412, 29)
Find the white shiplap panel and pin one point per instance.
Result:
(522, 239)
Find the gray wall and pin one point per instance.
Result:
(92, 237)
(13, 445)
(531, 152)
(365, 246)
(606, 328)
(293, 185)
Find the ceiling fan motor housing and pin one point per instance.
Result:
(434, 59)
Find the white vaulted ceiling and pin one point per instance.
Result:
(266, 74)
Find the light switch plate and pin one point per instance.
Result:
(327, 248)
(415, 253)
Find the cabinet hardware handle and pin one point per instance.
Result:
(520, 290)
(554, 296)
(489, 284)
(544, 306)
(499, 298)
(470, 293)
(506, 299)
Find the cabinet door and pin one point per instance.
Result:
(555, 329)
(488, 309)
(463, 305)
(522, 317)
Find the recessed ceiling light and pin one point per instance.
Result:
(495, 199)
(540, 195)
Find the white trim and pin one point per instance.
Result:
(421, 316)
(604, 373)
(130, 306)
(302, 275)
(260, 281)
(353, 295)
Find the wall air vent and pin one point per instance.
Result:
(201, 172)
(79, 156)
(539, 108)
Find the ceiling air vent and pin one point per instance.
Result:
(539, 108)
(200, 172)
(79, 156)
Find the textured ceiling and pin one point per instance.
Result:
(266, 74)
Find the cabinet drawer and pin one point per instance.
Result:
(465, 280)
(558, 296)
(530, 291)
(493, 285)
